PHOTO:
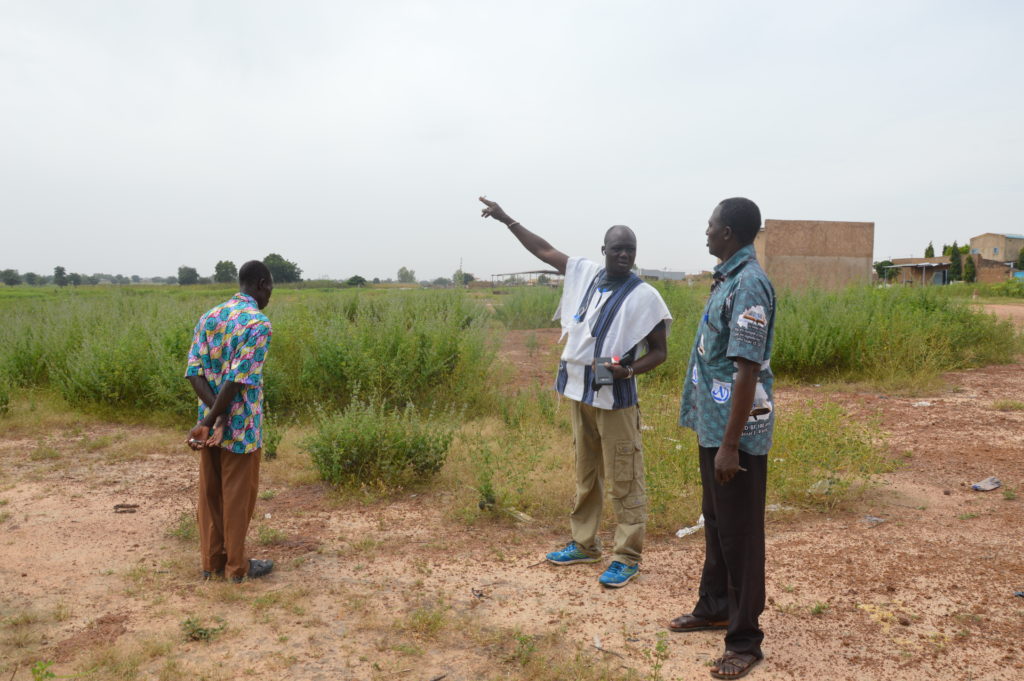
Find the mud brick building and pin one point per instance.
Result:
(997, 247)
(824, 254)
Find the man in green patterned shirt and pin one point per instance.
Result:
(727, 400)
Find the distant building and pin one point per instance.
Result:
(800, 254)
(921, 271)
(998, 247)
(990, 271)
(661, 275)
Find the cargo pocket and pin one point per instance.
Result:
(625, 466)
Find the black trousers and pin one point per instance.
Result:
(732, 583)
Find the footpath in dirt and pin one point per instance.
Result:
(917, 582)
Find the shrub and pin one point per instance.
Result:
(528, 308)
(5, 395)
(370, 444)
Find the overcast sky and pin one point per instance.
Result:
(354, 137)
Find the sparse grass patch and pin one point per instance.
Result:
(426, 621)
(268, 494)
(268, 536)
(1008, 405)
(1009, 493)
(194, 629)
(44, 453)
(819, 609)
(289, 599)
(186, 529)
(95, 444)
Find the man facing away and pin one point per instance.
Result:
(225, 368)
(727, 400)
(606, 312)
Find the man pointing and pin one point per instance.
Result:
(611, 319)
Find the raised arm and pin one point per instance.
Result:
(533, 243)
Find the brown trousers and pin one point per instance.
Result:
(228, 484)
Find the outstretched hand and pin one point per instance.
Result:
(493, 210)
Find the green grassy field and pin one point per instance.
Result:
(120, 353)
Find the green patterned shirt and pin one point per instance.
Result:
(738, 323)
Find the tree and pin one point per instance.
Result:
(461, 278)
(225, 272)
(187, 275)
(32, 279)
(75, 279)
(136, 279)
(1020, 260)
(283, 271)
(355, 280)
(441, 281)
(969, 272)
(10, 277)
(884, 270)
(956, 271)
(406, 276)
(60, 276)
(930, 251)
(543, 280)
(376, 280)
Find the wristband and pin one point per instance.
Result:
(514, 222)
(629, 372)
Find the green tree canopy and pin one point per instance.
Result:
(32, 279)
(60, 276)
(225, 272)
(969, 272)
(355, 280)
(283, 271)
(1020, 260)
(75, 279)
(406, 276)
(956, 272)
(10, 277)
(884, 270)
(187, 275)
(461, 278)
(929, 252)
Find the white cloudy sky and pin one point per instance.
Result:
(354, 137)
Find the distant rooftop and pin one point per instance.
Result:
(663, 274)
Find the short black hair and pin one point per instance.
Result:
(251, 272)
(615, 228)
(743, 216)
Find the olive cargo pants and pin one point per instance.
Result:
(608, 447)
(228, 484)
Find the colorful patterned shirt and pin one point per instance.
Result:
(230, 344)
(738, 322)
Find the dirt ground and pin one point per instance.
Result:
(917, 582)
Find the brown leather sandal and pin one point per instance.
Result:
(734, 665)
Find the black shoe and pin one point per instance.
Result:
(257, 569)
(207, 575)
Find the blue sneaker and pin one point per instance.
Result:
(618, 574)
(571, 554)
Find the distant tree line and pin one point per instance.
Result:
(225, 271)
